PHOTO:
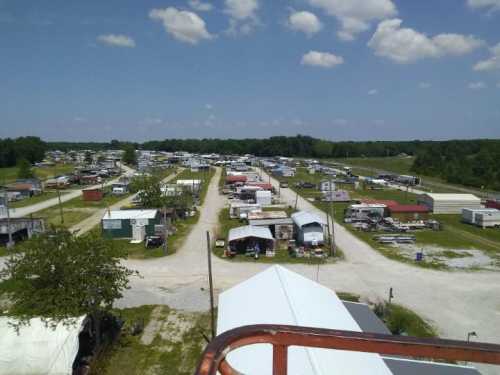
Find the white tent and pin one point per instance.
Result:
(38, 349)
(279, 296)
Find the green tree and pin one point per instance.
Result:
(58, 276)
(25, 170)
(129, 156)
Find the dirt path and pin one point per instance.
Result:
(89, 223)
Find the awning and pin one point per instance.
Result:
(249, 231)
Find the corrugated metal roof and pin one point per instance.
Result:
(129, 214)
(279, 296)
(249, 231)
(260, 222)
(453, 197)
(401, 208)
(267, 215)
(302, 218)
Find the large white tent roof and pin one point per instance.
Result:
(249, 231)
(38, 349)
(279, 296)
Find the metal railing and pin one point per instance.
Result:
(283, 336)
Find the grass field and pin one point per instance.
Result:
(402, 165)
(8, 175)
(76, 210)
(34, 199)
(171, 344)
(403, 321)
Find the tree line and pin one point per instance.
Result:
(12, 151)
(467, 162)
(471, 163)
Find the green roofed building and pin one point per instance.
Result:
(135, 224)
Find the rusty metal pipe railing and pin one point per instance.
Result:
(283, 336)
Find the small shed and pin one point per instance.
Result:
(92, 195)
(263, 197)
(192, 185)
(448, 203)
(250, 238)
(409, 211)
(126, 223)
(309, 228)
(336, 196)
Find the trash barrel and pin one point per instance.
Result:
(419, 256)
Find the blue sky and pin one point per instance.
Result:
(335, 69)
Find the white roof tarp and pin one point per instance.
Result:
(279, 296)
(38, 349)
(249, 231)
(302, 218)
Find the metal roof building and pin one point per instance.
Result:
(447, 203)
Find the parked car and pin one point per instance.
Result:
(283, 184)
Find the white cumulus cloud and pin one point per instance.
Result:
(373, 92)
(355, 15)
(492, 63)
(242, 15)
(490, 4)
(476, 85)
(116, 40)
(406, 45)
(183, 25)
(321, 59)
(424, 85)
(305, 22)
(200, 6)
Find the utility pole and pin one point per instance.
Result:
(332, 216)
(165, 230)
(60, 204)
(9, 229)
(211, 285)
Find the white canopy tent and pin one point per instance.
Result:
(279, 296)
(38, 349)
